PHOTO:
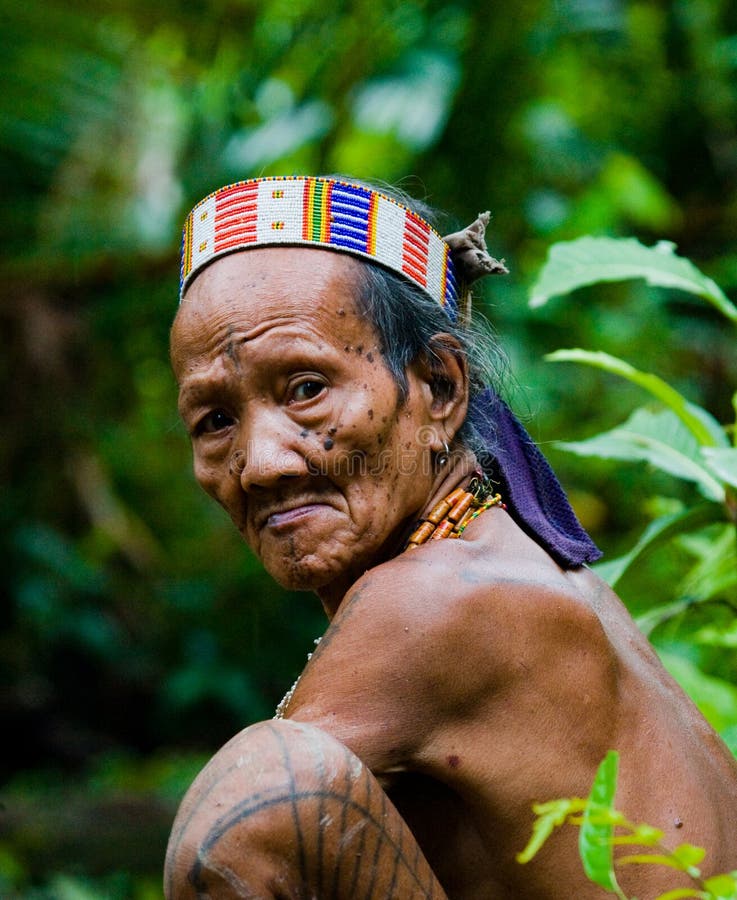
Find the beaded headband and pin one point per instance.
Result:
(319, 212)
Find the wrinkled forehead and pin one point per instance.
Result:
(265, 289)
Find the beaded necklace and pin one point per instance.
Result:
(447, 519)
(450, 517)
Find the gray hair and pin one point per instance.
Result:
(407, 323)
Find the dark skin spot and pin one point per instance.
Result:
(341, 311)
(359, 349)
(371, 414)
(453, 761)
(332, 430)
(328, 443)
(304, 433)
(347, 348)
(370, 356)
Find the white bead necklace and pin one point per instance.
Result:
(286, 699)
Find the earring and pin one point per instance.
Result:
(444, 456)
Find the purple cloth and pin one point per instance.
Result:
(529, 486)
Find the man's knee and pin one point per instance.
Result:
(285, 810)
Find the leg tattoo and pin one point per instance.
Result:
(286, 811)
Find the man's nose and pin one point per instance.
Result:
(267, 451)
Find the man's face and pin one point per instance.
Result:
(296, 423)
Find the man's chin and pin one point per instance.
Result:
(299, 575)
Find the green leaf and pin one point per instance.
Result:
(689, 856)
(650, 620)
(658, 438)
(723, 463)
(716, 698)
(595, 837)
(717, 635)
(658, 533)
(646, 835)
(715, 573)
(549, 816)
(679, 893)
(591, 260)
(722, 887)
(658, 859)
(699, 422)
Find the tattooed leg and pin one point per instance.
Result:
(286, 811)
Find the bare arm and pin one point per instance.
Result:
(285, 811)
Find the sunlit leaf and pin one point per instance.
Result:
(722, 887)
(594, 839)
(678, 893)
(646, 835)
(655, 437)
(549, 816)
(591, 260)
(723, 463)
(657, 859)
(704, 427)
(689, 856)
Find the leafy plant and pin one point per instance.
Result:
(602, 828)
(670, 433)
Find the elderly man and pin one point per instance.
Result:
(473, 664)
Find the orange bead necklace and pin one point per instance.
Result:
(450, 517)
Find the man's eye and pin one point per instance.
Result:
(215, 421)
(306, 390)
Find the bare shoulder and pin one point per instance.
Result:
(497, 571)
(442, 630)
(497, 590)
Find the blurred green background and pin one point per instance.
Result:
(137, 632)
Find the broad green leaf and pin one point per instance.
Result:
(658, 438)
(716, 698)
(658, 533)
(723, 463)
(591, 260)
(699, 422)
(722, 887)
(595, 836)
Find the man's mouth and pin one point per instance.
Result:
(284, 516)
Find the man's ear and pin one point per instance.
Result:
(443, 376)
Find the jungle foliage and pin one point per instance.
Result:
(603, 827)
(137, 632)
